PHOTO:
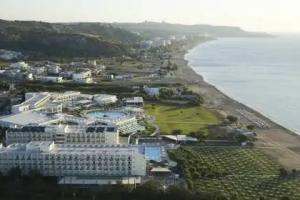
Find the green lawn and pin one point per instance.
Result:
(186, 118)
(243, 173)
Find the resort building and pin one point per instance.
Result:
(38, 70)
(62, 134)
(82, 77)
(92, 62)
(19, 65)
(32, 101)
(125, 122)
(65, 97)
(37, 118)
(54, 108)
(88, 161)
(105, 99)
(153, 92)
(134, 102)
(53, 69)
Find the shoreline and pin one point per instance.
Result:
(281, 143)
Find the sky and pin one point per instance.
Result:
(251, 15)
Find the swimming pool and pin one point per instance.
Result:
(153, 153)
(109, 115)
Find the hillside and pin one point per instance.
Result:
(152, 29)
(46, 39)
(95, 39)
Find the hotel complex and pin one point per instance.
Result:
(69, 160)
(81, 149)
(62, 134)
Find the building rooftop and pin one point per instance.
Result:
(134, 99)
(66, 129)
(28, 117)
(50, 147)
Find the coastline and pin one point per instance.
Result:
(277, 141)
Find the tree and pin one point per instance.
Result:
(177, 132)
(178, 192)
(241, 138)
(283, 172)
(150, 190)
(250, 127)
(232, 119)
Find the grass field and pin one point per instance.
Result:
(238, 173)
(186, 118)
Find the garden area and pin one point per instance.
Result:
(183, 119)
(238, 173)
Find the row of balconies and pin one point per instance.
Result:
(23, 162)
(67, 167)
(69, 158)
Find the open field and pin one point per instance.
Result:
(185, 118)
(243, 173)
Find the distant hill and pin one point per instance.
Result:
(76, 39)
(150, 29)
(96, 39)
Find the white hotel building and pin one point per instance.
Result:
(74, 160)
(63, 134)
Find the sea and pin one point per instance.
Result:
(262, 73)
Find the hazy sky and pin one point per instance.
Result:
(254, 15)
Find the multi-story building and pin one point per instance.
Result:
(82, 76)
(134, 101)
(104, 99)
(69, 160)
(32, 101)
(53, 69)
(19, 65)
(63, 134)
(65, 97)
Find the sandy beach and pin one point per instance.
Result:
(276, 141)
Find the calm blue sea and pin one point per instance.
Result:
(263, 73)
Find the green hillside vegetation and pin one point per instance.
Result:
(150, 29)
(65, 40)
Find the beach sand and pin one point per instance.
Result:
(276, 141)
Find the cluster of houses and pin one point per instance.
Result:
(53, 72)
(161, 41)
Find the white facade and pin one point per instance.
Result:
(126, 124)
(82, 75)
(29, 76)
(104, 99)
(32, 101)
(54, 108)
(53, 69)
(93, 62)
(69, 160)
(134, 101)
(62, 134)
(19, 65)
(66, 96)
(20, 108)
(38, 70)
(153, 92)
